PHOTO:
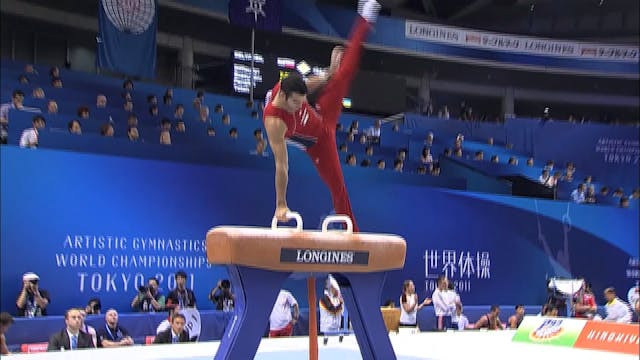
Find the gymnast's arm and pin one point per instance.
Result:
(276, 130)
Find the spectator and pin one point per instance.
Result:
(181, 296)
(153, 111)
(218, 109)
(180, 127)
(257, 134)
(165, 124)
(83, 112)
(255, 114)
(604, 191)
(530, 162)
(280, 321)
(441, 304)
(578, 195)
(351, 160)
(350, 137)
(396, 127)
(204, 114)
(29, 137)
(550, 310)
(410, 305)
(17, 102)
(54, 72)
(6, 320)
(38, 93)
(569, 172)
(331, 306)
(478, 156)
(74, 127)
(71, 338)
(343, 148)
(435, 171)
(444, 113)
(148, 298)
(368, 150)
(166, 323)
(222, 296)
(545, 179)
(200, 96)
(128, 106)
(88, 329)
(132, 133)
(30, 70)
(588, 182)
(633, 295)
(447, 152)
(353, 128)
(549, 166)
(513, 161)
(490, 141)
(127, 96)
(617, 310)
(635, 195)
(398, 165)
(491, 320)
(211, 131)
(179, 112)
(585, 306)
(260, 149)
(375, 130)
(429, 139)
(152, 99)
(56, 83)
(495, 159)
(624, 202)
(590, 197)
(165, 137)
(132, 120)
(402, 154)
(112, 334)
(226, 119)
(618, 193)
(365, 163)
(553, 181)
(106, 130)
(426, 156)
(176, 334)
(463, 321)
(233, 133)
(167, 99)
(94, 307)
(362, 139)
(422, 170)
(515, 319)
(381, 164)
(127, 85)
(458, 153)
(101, 101)
(196, 104)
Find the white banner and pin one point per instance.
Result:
(518, 44)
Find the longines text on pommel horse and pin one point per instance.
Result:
(259, 260)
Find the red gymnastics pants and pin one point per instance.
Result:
(324, 153)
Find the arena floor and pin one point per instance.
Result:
(429, 346)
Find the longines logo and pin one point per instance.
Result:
(324, 256)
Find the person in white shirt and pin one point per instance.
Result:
(462, 320)
(29, 138)
(452, 299)
(17, 99)
(280, 321)
(331, 307)
(545, 179)
(409, 304)
(578, 195)
(633, 295)
(617, 310)
(442, 304)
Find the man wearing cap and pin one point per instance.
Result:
(32, 300)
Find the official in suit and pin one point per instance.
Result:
(71, 338)
(176, 333)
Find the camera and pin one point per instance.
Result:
(143, 288)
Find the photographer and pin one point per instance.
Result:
(32, 300)
(93, 307)
(148, 299)
(222, 296)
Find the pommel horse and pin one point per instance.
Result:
(259, 260)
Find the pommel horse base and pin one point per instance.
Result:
(259, 260)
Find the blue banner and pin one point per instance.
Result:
(127, 38)
(110, 223)
(259, 14)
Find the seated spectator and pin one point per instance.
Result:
(410, 305)
(222, 296)
(196, 104)
(128, 106)
(203, 114)
(165, 124)
(200, 96)
(83, 112)
(343, 148)
(491, 320)
(23, 80)
(495, 159)
(513, 161)
(365, 163)
(585, 306)
(429, 139)
(604, 191)
(478, 156)
(368, 150)
(588, 182)
(396, 127)
(107, 130)
(426, 156)
(17, 102)
(381, 164)
(218, 109)
(280, 321)
(179, 112)
(6, 320)
(618, 193)
(555, 179)
(165, 137)
(38, 93)
(101, 101)
(490, 141)
(211, 131)
(530, 162)
(29, 137)
(544, 178)
(180, 127)
(127, 96)
(375, 130)
(624, 202)
(362, 139)
(181, 296)
(331, 307)
(550, 310)
(167, 99)
(70, 338)
(176, 333)
(30, 70)
(515, 319)
(635, 195)
(351, 160)
(353, 128)
(112, 334)
(152, 99)
(127, 85)
(132, 120)
(569, 171)
(148, 298)
(257, 134)
(398, 165)
(233, 133)
(94, 307)
(447, 152)
(153, 111)
(255, 114)
(56, 82)
(54, 72)
(226, 119)
(132, 133)
(350, 137)
(402, 155)
(88, 329)
(549, 166)
(422, 170)
(578, 195)
(590, 197)
(458, 153)
(74, 127)
(617, 310)
(435, 171)
(462, 322)
(260, 149)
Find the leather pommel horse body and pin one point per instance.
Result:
(259, 260)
